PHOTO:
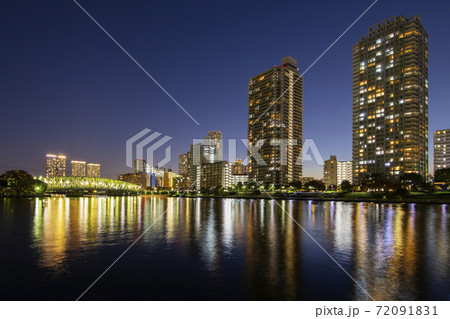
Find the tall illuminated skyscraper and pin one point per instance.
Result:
(275, 113)
(78, 168)
(55, 165)
(390, 100)
(93, 170)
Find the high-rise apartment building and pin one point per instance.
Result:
(275, 123)
(140, 165)
(390, 99)
(55, 165)
(93, 170)
(183, 164)
(441, 149)
(213, 146)
(196, 159)
(330, 171)
(78, 168)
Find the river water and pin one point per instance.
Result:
(222, 249)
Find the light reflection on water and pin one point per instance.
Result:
(231, 249)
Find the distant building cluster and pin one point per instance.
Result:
(390, 111)
(203, 167)
(56, 167)
(389, 123)
(270, 120)
(148, 176)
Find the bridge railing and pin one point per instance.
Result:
(88, 183)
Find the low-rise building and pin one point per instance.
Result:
(344, 172)
(168, 179)
(335, 172)
(441, 149)
(330, 171)
(238, 178)
(213, 175)
(181, 182)
(140, 179)
(239, 168)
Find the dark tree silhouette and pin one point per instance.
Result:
(20, 183)
(315, 184)
(442, 175)
(346, 186)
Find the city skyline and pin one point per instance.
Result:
(233, 151)
(107, 145)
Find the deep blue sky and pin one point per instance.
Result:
(65, 87)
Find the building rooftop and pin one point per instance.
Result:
(388, 23)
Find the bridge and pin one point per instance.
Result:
(79, 185)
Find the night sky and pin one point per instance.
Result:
(66, 88)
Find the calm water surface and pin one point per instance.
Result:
(222, 249)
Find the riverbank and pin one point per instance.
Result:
(418, 198)
(25, 196)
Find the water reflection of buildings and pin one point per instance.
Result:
(64, 226)
(390, 247)
(386, 251)
(393, 251)
(273, 251)
(375, 244)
